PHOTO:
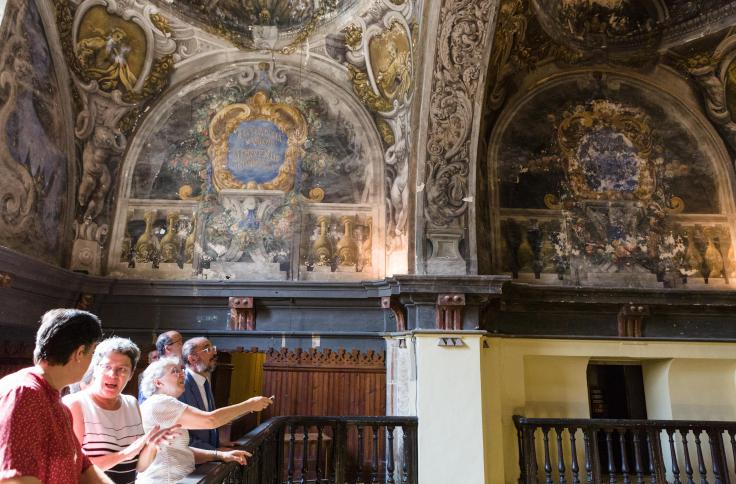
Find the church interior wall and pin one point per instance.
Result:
(416, 146)
(38, 161)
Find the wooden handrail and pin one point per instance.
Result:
(272, 463)
(631, 450)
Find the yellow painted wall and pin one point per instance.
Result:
(547, 378)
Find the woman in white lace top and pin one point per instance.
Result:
(162, 384)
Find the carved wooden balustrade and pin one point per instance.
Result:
(386, 452)
(627, 451)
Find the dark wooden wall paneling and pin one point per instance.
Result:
(325, 382)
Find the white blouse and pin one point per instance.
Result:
(175, 461)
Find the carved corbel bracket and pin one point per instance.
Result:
(391, 303)
(85, 302)
(631, 320)
(6, 280)
(450, 309)
(242, 313)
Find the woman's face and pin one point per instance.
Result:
(172, 381)
(111, 375)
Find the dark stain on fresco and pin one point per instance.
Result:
(531, 163)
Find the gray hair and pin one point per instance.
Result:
(124, 346)
(155, 370)
(189, 346)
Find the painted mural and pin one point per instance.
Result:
(603, 180)
(33, 162)
(248, 21)
(612, 24)
(234, 179)
(175, 163)
(110, 50)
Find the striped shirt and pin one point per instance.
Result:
(108, 431)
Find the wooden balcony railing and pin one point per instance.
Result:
(322, 450)
(628, 451)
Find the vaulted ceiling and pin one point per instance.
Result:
(418, 88)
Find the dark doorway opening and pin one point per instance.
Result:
(616, 391)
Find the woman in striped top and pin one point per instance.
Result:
(107, 423)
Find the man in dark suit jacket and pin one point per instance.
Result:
(200, 357)
(168, 344)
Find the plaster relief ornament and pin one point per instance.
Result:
(121, 56)
(716, 75)
(257, 145)
(380, 62)
(462, 35)
(110, 50)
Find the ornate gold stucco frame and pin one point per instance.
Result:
(259, 107)
(633, 125)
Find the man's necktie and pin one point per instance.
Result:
(210, 398)
(214, 434)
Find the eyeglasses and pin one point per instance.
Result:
(210, 349)
(177, 342)
(118, 371)
(175, 370)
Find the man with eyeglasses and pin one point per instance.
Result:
(200, 358)
(168, 344)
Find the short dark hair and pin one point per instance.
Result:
(62, 331)
(162, 342)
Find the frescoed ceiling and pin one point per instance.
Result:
(611, 143)
(620, 24)
(390, 92)
(294, 165)
(244, 21)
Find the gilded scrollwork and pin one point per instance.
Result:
(121, 56)
(380, 63)
(365, 92)
(353, 36)
(637, 178)
(280, 121)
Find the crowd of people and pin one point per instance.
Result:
(98, 434)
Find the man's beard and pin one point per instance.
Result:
(202, 368)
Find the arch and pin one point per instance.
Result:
(678, 107)
(247, 74)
